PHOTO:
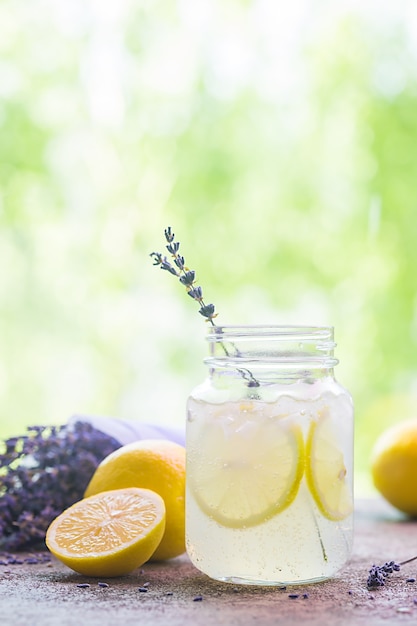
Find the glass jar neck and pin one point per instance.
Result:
(262, 354)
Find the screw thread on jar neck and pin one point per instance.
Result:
(267, 351)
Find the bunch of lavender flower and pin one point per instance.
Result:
(42, 473)
(187, 278)
(378, 574)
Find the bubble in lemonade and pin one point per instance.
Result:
(269, 483)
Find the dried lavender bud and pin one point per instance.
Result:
(207, 311)
(173, 248)
(169, 235)
(180, 263)
(196, 293)
(188, 278)
(157, 258)
(166, 265)
(42, 473)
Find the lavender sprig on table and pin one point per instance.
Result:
(42, 473)
(187, 279)
(379, 573)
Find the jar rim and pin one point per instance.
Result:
(270, 330)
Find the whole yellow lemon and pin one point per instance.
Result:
(394, 465)
(155, 464)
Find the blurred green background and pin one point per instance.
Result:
(278, 141)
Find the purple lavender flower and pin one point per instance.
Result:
(378, 574)
(43, 473)
(185, 275)
(187, 279)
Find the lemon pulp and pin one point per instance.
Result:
(246, 470)
(108, 534)
(326, 470)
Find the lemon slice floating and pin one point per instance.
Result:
(326, 471)
(246, 469)
(108, 534)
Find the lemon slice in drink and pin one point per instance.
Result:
(326, 470)
(245, 470)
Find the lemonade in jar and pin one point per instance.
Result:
(269, 497)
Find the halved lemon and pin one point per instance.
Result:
(108, 534)
(245, 469)
(326, 470)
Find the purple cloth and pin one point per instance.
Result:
(126, 431)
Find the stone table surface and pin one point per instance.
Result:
(46, 593)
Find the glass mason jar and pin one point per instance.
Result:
(269, 458)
